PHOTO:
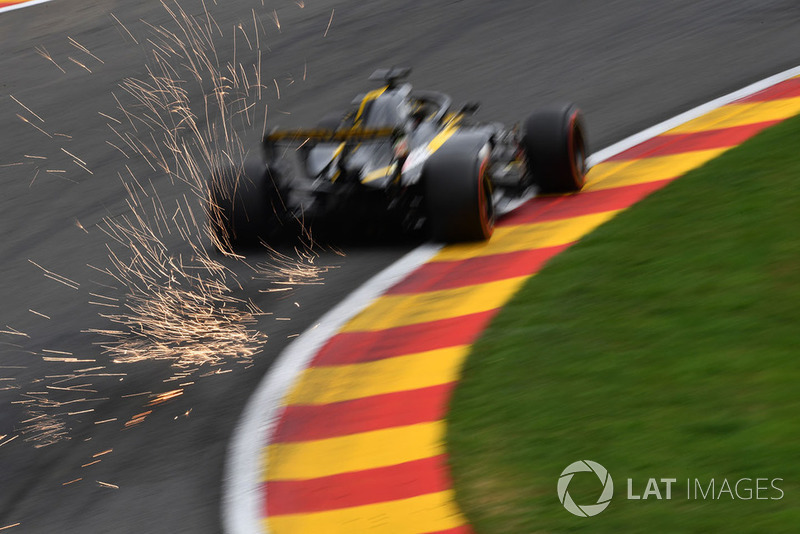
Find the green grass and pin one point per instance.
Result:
(664, 344)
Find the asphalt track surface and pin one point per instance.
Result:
(627, 67)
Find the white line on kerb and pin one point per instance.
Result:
(243, 492)
(23, 4)
(658, 129)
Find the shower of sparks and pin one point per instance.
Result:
(177, 304)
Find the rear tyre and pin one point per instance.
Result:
(245, 205)
(458, 192)
(554, 144)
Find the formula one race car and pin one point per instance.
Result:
(399, 157)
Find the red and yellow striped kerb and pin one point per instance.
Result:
(7, 3)
(360, 443)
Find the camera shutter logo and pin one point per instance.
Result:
(585, 510)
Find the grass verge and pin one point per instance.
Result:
(665, 345)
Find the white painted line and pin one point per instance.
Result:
(243, 495)
(658, 129)
(23, 4)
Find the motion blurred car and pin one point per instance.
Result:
(402, 158)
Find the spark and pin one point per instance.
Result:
(64, 150)
(164, 397)
(79, 225)
(275, 18)
(10, 526)
(82, 48)
(136, 394)
(105, 421)
(9, 440)
(106, 484)
(118, 148)
(79, 64)
(103, 453)
(20, 117)
(26, 108)
(43, 52)
(57, 277)
(138, 418)
(109, 117)
(38, 313)
(72, 481)
(124, 28)
(65, 360)
(14, 332)
(91, 463)
(329, 24)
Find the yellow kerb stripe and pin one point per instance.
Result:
(433, 512)
(324, 385)
(356, 452)
(390, 311)
(741, 114)
(611, 174)
(528, 237)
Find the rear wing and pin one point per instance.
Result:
(324, 135)
(390, 76)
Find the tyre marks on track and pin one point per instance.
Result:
(359, 445)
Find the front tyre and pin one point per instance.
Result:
(458, 192)
(554, 144)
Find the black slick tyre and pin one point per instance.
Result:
(244, 205)
(554, 145)
(458, 192)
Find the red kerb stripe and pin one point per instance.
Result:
(787, 89)
(304, 423)
(401, 481)
(667, 144)
(358, 347)
(542, 209)
(451, 274)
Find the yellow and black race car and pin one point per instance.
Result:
(400, 157)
